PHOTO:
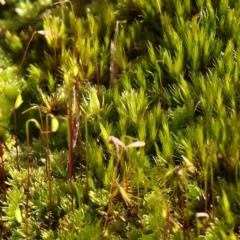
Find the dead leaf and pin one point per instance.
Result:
(136, 144)
(116, 142)
(45, 33)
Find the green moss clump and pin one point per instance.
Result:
(121, 119)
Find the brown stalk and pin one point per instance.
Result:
(2, 170)
(98, 80)
(16, 137)
(212, 192)
(168, 223)
(129, 10)
(79, 8)
(3, 227)
(78, 96)
(70, 142)
(111, 191)
(3, 178)
(71, 126)
(24, 55)
(183, 217)
(114, 68)
(117, 143)
(28, 185)
(48, 167)
(28, 170)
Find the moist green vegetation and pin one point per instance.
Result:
(120, 119)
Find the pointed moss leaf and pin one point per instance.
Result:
(151, 52)
(226, 204)
(46, 101)
(94, 100)
(18, 101)
(136, 144)
(54, 124)
(104, 133)
(75, 71)
(18, 215)
(127, 197)
(189, 164)
(226, 208)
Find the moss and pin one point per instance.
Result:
(121, 119)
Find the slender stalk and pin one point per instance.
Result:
(75, 32)
(129, 10)
(2, 170)
(79, 8)
(80, 151)
(75, 37)
(55, 60)
(160, 14)
(24, 56)
(70, 112)
(212, 192)
(87, 156)
(16, 137)
(168, 222)
(187, 211)
(98, 80)
(41, 119)
(54, 49)
(111, 195)
(237, 174)
(126, 179)
(183, 217)
(3, 177)
(3, 227)
(78, 96)
(119, 156)
(72, 99)
(28, 167)
(162, 94)
(28, 178)
(87, 149)
(205, 170)
(48, 166)
(70, 142)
